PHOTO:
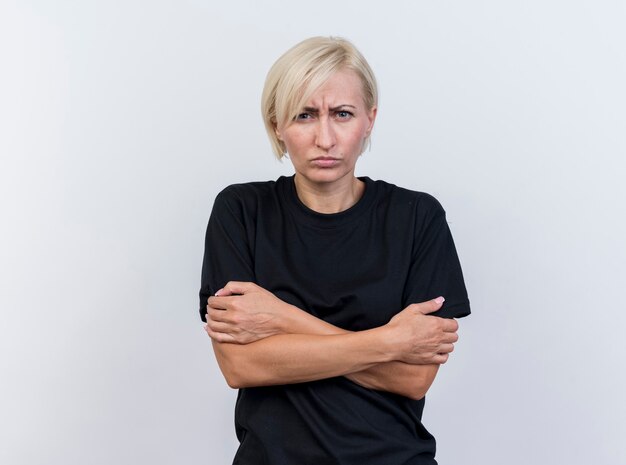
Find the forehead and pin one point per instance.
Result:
(342, 87)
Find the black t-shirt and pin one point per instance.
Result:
(355, 269)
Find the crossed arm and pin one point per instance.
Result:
(261, 340)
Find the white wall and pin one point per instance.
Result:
(121, 120)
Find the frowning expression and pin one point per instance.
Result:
(326, 138)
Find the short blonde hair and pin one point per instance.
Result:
(300, 71)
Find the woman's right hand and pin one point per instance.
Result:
(244, 312)
(422, 339)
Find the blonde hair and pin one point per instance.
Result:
(300, 71)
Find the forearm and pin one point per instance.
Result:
(245, 321)
(411, 381)
(296, 358)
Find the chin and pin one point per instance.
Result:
(325, 176)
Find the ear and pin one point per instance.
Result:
(277, 132)
(371, 116)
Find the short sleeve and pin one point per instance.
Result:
(227, 246)
(435, 268)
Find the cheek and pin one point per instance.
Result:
(296, 139)
(355, 139)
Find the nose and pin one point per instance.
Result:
(325, 137)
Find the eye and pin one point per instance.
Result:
(303, 116)
(344, 114)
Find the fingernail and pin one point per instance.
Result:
(440, 300)
(217, 294)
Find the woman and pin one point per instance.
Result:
(323, 292)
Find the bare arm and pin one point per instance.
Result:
(245, 318)
(296, 358)
(406, 379)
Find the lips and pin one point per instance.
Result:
(325, 162)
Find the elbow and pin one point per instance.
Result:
(417, 393)
(231, 365)
(237, 376)
(233, 382)
(419, 385)
(230, 375)
(237, 379)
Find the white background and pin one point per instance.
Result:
(121, 120)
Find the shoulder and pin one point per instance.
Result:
(247, 195)
(420, 203)
(241, 202)
(247, 190)
(251, 200)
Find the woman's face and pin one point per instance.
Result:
(326, 138)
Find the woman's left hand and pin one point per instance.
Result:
(243, 312)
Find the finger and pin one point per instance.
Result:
(229, 316)
(450, 325)
(232, 303)
(220, 337)
(222, 292)
(440, 359)
(217, 315)
(219, 327)
(449, 338)
(219, 303)
(238, 287)
(446, 348)
(430, 305)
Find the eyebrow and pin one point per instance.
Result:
(337, 108)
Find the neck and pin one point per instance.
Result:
(331, 197)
